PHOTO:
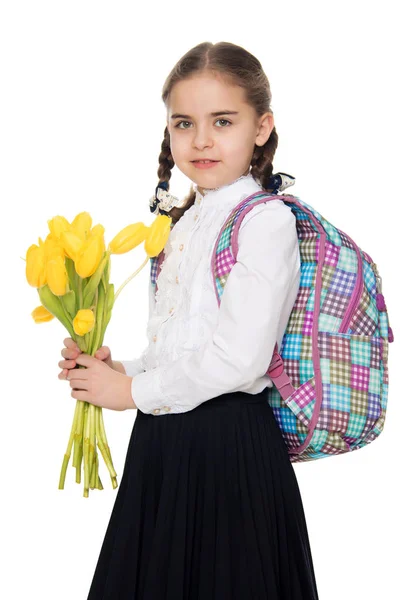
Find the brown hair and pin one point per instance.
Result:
(240, 67)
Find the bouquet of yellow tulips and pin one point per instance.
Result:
(71, 271)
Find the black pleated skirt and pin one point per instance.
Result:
(208, 508)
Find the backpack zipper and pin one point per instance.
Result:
(357, 291)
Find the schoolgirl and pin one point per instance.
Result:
(208, 505)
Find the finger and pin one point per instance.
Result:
(81, 395)
(79, 389)
(77, 375)
(69, 343)
(70, 352)
(104, 350)
(67, 364)
(79, 385)
(63, 374)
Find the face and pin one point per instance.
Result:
(197, 133)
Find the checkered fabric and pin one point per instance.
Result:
(335, 346)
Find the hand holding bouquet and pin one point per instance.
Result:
(71, 271)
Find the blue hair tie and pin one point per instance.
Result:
(162, 201)
(279, 182)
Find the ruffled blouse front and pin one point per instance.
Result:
(196, 349)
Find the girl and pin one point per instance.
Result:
(208, 505)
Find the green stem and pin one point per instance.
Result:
(78, 434)
(100, 303)
(86, 451)
(79, 464)
(107, 449)
(68, 452)
(82, 344)
(92, 442)
(70, 267)
(102, 444)
(92, 334)
(131, 277)
(80, 293)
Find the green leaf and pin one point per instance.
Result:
(70, 303)
(93, 282)
(54, 306)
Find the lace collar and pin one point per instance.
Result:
(230, 193)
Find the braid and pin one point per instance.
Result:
(261, 162)
(165, 159)
(164, 175)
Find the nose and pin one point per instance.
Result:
(202, 138)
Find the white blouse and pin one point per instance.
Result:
(196, 349)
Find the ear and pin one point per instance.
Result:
(265, 126)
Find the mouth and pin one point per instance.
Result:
(205, 160)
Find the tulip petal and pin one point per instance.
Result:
(89, 257)
(57, 225)
(158, 235)
(84, 321)
(82, 224)
(57, 276)
(41, 315)
(128, 238)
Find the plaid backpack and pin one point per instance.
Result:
(331, 374)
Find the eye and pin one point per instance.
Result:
(225, 120)
(180, 123)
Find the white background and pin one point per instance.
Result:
(82, 123)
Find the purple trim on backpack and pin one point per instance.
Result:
(159, 263)
(380, 302)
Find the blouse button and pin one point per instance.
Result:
(196, 217)
(181, 247)
(176, 279)
(156, 411)
(167, 408)
(171, 310)
(154, 338)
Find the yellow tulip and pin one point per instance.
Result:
(158, 235)
(52, 247)
(82, 224)
(41, 315)
(72, 243)
(84, 321)
(57, 276)
(35, 265)
(128, 238)
(89, 256)
(97, 230)
(57, 225)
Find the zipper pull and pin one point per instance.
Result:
(380, 301)
(378, 278)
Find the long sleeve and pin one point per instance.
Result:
(257, 301)
(134, 367)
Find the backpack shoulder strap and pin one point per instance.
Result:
(226, 245)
